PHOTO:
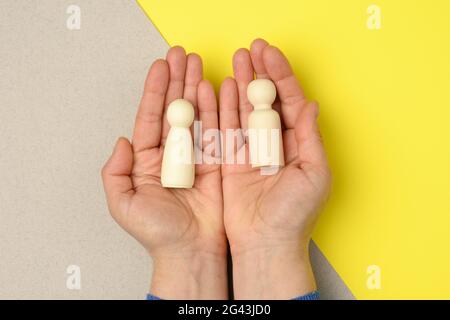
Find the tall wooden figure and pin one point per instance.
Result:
(178, 167)
(265, 135)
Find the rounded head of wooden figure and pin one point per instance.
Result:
(261, 93)
(180, 113)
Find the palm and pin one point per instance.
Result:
(166, 219)
(253, 206)
(285, 204)
(174, 217)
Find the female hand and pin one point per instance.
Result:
(182, 229)
(269, 219)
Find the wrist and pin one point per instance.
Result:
(202, 275)
(272, 272)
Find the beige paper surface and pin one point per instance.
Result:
(65, 96)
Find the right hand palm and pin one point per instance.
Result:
(166, 220)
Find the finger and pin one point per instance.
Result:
(243, 73)
(207, 108)
(116, 179)
(256, 54)
(288, 88)
(148, 124)
(310, 150)
(209, 141)
(194, 74)
(229, 109)
(232, 138)
(176, 58)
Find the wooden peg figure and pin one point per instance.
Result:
(265, 135)
(178, 167)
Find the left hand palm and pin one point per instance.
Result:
(279, 209)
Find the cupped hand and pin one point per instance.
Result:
(269, 219)
(182, 229)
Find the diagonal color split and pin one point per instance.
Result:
(329, 283)
(384, 117)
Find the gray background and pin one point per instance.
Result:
(65, 96)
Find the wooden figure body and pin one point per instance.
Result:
(265, 134)
(178, 167)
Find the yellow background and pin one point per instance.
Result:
(385, 118)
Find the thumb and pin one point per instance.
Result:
(310, 149)
(116, 178)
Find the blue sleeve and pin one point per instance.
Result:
(310, 296)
